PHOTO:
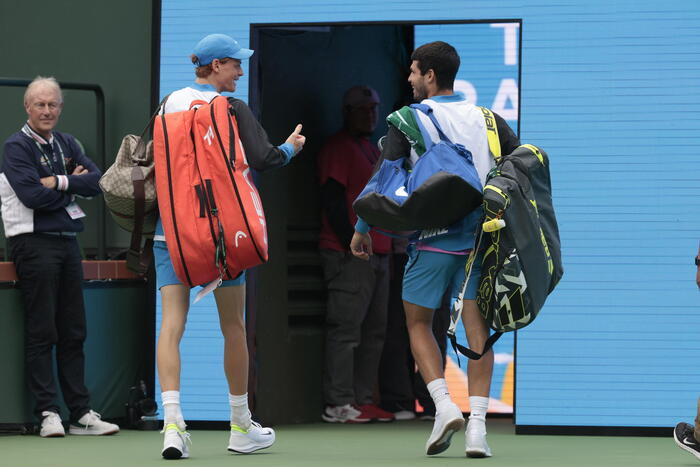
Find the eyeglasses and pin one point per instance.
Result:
(42, 105)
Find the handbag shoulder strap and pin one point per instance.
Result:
(160, 107)
(138, 258)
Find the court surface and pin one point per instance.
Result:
(399, 444)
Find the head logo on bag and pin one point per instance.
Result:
(238, 235)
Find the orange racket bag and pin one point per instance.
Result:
(210, 209)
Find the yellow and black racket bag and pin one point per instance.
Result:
(519, 245)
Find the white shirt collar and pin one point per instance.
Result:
(27, 130)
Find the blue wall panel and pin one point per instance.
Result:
(610, 90)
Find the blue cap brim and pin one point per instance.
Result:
(243, 54)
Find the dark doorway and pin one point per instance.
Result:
(299, 75)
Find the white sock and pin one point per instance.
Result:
(479, 406)
(240, 415)
(439, 393)
(172, 409)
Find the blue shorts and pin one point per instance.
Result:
(165, 274)
(429, 274)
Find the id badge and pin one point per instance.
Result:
(74, 211)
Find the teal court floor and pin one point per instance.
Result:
(399, 444)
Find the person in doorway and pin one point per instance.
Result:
(437, 262)
(43, 171)
(217, 59)
(358, 291)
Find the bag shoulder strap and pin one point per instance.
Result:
(469, 353)
(138, 259)
(492, 133)
(404, 120)
(428, 111)
(160, 107)
(140, 142)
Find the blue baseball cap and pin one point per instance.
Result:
(219, 46)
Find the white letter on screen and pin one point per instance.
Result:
(509, 42)
(507, 91)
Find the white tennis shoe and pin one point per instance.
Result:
(175, 442)
(253, 439)
(92, 424)
(51, 426)
(448, 421)
(475, 440)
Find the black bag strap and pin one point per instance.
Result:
(137, 259)
(469, 353)
(149, 126)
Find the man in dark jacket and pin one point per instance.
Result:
(42, 172)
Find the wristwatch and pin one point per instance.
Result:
(697, 261)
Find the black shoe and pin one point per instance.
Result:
(684, 435)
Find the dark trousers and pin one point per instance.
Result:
(355, 325)
(50, 276)
(399, 383)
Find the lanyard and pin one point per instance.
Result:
(46, 158)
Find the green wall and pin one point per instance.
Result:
(118, 348)
(105, 43)
(108, 44)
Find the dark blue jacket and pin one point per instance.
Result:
(23, 165)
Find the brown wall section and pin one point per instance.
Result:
(92, 270)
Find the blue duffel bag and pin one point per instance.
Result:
(440, 189)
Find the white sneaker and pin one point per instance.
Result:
(253, 439)
(343, 414)
(475, 439)
(448, 421)
(175, 442)
(91, 424)
(51, 426)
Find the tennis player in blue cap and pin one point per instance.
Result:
(217, 59)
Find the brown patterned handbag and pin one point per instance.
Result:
(130, 193)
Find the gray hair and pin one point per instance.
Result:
(42, 81)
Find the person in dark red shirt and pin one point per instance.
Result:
(357, 289)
